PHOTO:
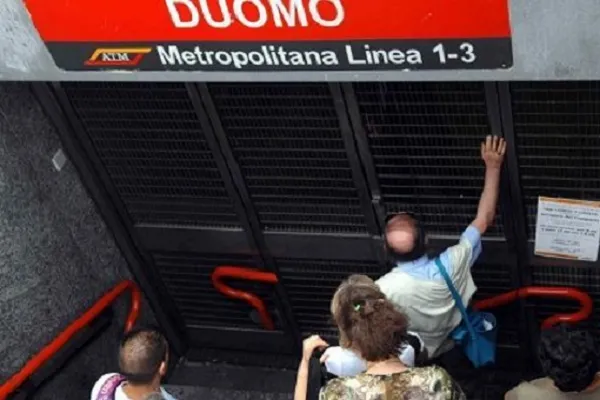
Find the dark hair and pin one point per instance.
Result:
(369, 323)
(141, 353)
(569, 357)
(418, 248)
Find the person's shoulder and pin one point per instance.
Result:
(531, 390)
(435, 381)
(433, 371)
(337, 388)
(99, 384)
(359, 387)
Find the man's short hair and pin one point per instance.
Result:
(569, 357)
(141, 353)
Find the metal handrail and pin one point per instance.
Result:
(247, 274)
(15, 381)
(583, 298)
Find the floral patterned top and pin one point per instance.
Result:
(429, 383)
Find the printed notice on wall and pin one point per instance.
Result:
(567, 229)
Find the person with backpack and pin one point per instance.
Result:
(143, 361)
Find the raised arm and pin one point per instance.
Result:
(492, 153)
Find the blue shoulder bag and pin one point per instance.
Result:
(477, 331)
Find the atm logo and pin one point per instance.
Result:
(117, 57)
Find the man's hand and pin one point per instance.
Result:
(309, 345)
(492, 151)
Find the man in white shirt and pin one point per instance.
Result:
(415, 284)
(143, 360)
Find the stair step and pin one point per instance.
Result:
(194, 380)
(195, 393)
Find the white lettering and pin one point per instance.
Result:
(265, 52)
(414, 56)
(209, 55)
(396, 56)
(223, 57)
(295, 10)
(256, 58)
(176, 17)
(285, 13)
(329, 58)
(240, 59)
(282, 55)
(225, 14)
(200, 55)
(115, 57)
(368, 56)
(312, 54)
(351, 59)
(189, 57)
(171, 58)
(296, 58)
(239, 13)
(380, 57)
(313, 8)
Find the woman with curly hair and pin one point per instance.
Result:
(376, 331)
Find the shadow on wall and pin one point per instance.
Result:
(56, 255)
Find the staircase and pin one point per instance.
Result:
(194, 380)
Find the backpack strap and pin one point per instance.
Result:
(457, 299)
(108, 389)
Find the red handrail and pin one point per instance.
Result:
(247, 274)
(583, 298)
(54, 346)
(533, 291)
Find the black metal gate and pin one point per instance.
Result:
(296, 179)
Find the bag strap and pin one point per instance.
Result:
(457, 299)
(107, 391)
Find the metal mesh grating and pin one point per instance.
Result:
(150, 141)
(556, 125)
(187, 277)
(492, 280)
(425, 138)
(587, 279)
(310, 285)
(287, 141)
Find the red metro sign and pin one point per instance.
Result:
(275, 35)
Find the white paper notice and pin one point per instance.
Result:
(567, 229)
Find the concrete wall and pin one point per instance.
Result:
(552, 39)
(56, 256)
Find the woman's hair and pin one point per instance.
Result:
(369, 324)
(569, 357)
